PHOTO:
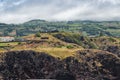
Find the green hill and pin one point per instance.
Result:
(91, 28)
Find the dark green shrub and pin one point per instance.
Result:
(37, 35)
(70, 47)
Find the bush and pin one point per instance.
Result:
(70, 47)
(37, 35)
(19, 43)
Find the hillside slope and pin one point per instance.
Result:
(85, 64)
(60, 43)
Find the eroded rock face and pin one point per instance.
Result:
(114, 49)
(101, 64)
(85, 65)
(28, 64)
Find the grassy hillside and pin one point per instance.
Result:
(76, 38)
(63, 44)
(68, 55)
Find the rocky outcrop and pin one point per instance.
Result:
(84, 65)
(114, 49)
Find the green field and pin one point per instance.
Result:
(3, 44)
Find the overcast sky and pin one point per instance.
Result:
(18, 11)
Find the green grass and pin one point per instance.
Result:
(3, 44)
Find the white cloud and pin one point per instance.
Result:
(110, 1)
(14, 11)
(19, 2)
(71, 13)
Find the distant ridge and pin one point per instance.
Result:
(87, 27)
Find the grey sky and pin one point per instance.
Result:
(18, 11)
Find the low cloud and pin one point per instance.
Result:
(18, 11)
